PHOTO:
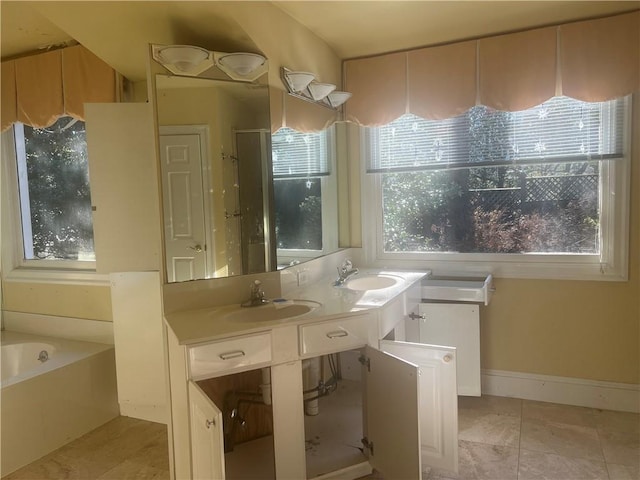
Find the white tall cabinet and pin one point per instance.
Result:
(127, 234)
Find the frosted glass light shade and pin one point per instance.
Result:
(338, 98)
(184, 58)
(242, 63)
(298, 81)
(320, 90)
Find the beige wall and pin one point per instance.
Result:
(285, 42)
(579, 329)
(63, 300)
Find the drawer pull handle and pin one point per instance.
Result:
(337, 334)
(230, 355)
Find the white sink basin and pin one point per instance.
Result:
(372, 282)
(268, 312)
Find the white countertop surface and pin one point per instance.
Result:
(207, 324)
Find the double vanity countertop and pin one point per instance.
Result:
(329, 301)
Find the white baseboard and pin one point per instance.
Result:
(569, 391)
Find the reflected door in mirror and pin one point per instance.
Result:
(183, 206)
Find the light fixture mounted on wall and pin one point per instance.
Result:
(189, 60)
(303, 85)
(184, 59)
(298, 81)
(241, 65)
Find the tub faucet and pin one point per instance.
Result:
(256, 297)
(344, 272)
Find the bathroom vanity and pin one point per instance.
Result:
(403, 395)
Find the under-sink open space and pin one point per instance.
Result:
(333, 417)
(333, 423)
(245, 404)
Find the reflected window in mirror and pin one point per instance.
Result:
(304, 194)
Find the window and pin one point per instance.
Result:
(303, 189)
(54, 195)
(492, 188)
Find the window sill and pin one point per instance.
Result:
(45, 275)
(525, 269)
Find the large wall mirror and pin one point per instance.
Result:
(237, 200)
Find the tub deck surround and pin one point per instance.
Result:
(63, 352)
(211, 323)
(52, 402)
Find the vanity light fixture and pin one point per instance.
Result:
(298, 81)
(303, 85)
(320, 90)
(240, 64)
(337, 98)
(184, 59)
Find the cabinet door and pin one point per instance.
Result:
(391, 415)
(456, 325)
(438, 400)
(207, 441)
(124, 187)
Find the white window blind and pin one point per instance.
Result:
(559, 130)
(296, 154)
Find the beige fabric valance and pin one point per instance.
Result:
(85, 79)
(379, 89)
(442, 80)
(517, 71)
(600, 59)
(9, 112)
(303, 116)
(594, 60)
(38, 89)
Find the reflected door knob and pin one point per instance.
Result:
(197, 248)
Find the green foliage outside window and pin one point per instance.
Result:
(59, 196)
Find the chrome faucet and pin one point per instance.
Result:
(256, 297)
(344, 272)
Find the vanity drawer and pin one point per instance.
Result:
(230, 355)
(335, 335)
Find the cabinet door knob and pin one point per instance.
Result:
(447, 358)
(210, 423)
(416, 316)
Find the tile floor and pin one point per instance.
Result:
(507, 438)
(124, 448)
(500, 438)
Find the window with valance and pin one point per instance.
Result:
(508, 154)
(43, 97)
(304, 182)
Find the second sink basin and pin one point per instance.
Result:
(372, 282)
(269, 312)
